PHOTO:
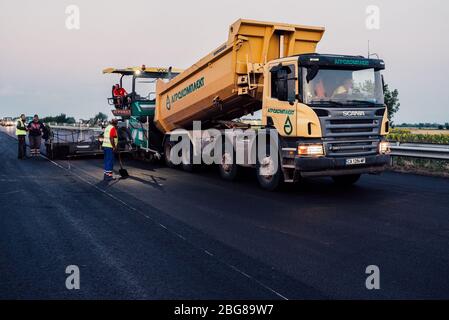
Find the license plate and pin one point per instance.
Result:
(353, 161)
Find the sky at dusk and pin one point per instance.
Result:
(47, 69)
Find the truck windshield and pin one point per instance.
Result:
(342, 87)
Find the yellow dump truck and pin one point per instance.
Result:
(325, 112)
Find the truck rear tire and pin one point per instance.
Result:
(346, 180)
(187, 167)
(228, 171)
(187, 161)
(167, 150)
(269, 175)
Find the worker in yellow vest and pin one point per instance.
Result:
(21, 132)
(110, 142)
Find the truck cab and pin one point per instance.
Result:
(329, 113)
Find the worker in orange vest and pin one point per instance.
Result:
(110, 142)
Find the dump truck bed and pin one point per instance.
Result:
(228, 82)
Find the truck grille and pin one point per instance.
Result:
(351, 134)
(345, 148)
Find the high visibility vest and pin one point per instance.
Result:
(20, 132)
(107, 139)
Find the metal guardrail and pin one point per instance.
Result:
(74, 127)
(426, 151)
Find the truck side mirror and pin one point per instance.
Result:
(312, 72)
(283, 83)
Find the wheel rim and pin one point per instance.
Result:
(266, 168)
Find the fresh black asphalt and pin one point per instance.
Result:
(168, 234)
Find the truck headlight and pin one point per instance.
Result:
(311, 150)
(384, 147)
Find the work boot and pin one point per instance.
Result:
(109, 178)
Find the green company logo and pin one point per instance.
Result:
(184, 92)
(354, 62)
(168, 103)
(281, 111)
(288, 128)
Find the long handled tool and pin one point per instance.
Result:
(123, 172)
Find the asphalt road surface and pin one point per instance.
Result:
(167, 234)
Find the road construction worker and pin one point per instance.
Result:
(320, 91)
(35, 131)
(345, 90)
(21, 132)
(119, 95)
(110, 141)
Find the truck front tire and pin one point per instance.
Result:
(269, 174)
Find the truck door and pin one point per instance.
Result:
(280, 100)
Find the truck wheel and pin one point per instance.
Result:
(187, 161)
(188, 167)
(137, 154)
(269, 174)
(346, 180)
(228, 167)
(167, 150)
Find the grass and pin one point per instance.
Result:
(418, 165)
(406, 135)
(421, 166)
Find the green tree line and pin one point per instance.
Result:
(64, 119)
